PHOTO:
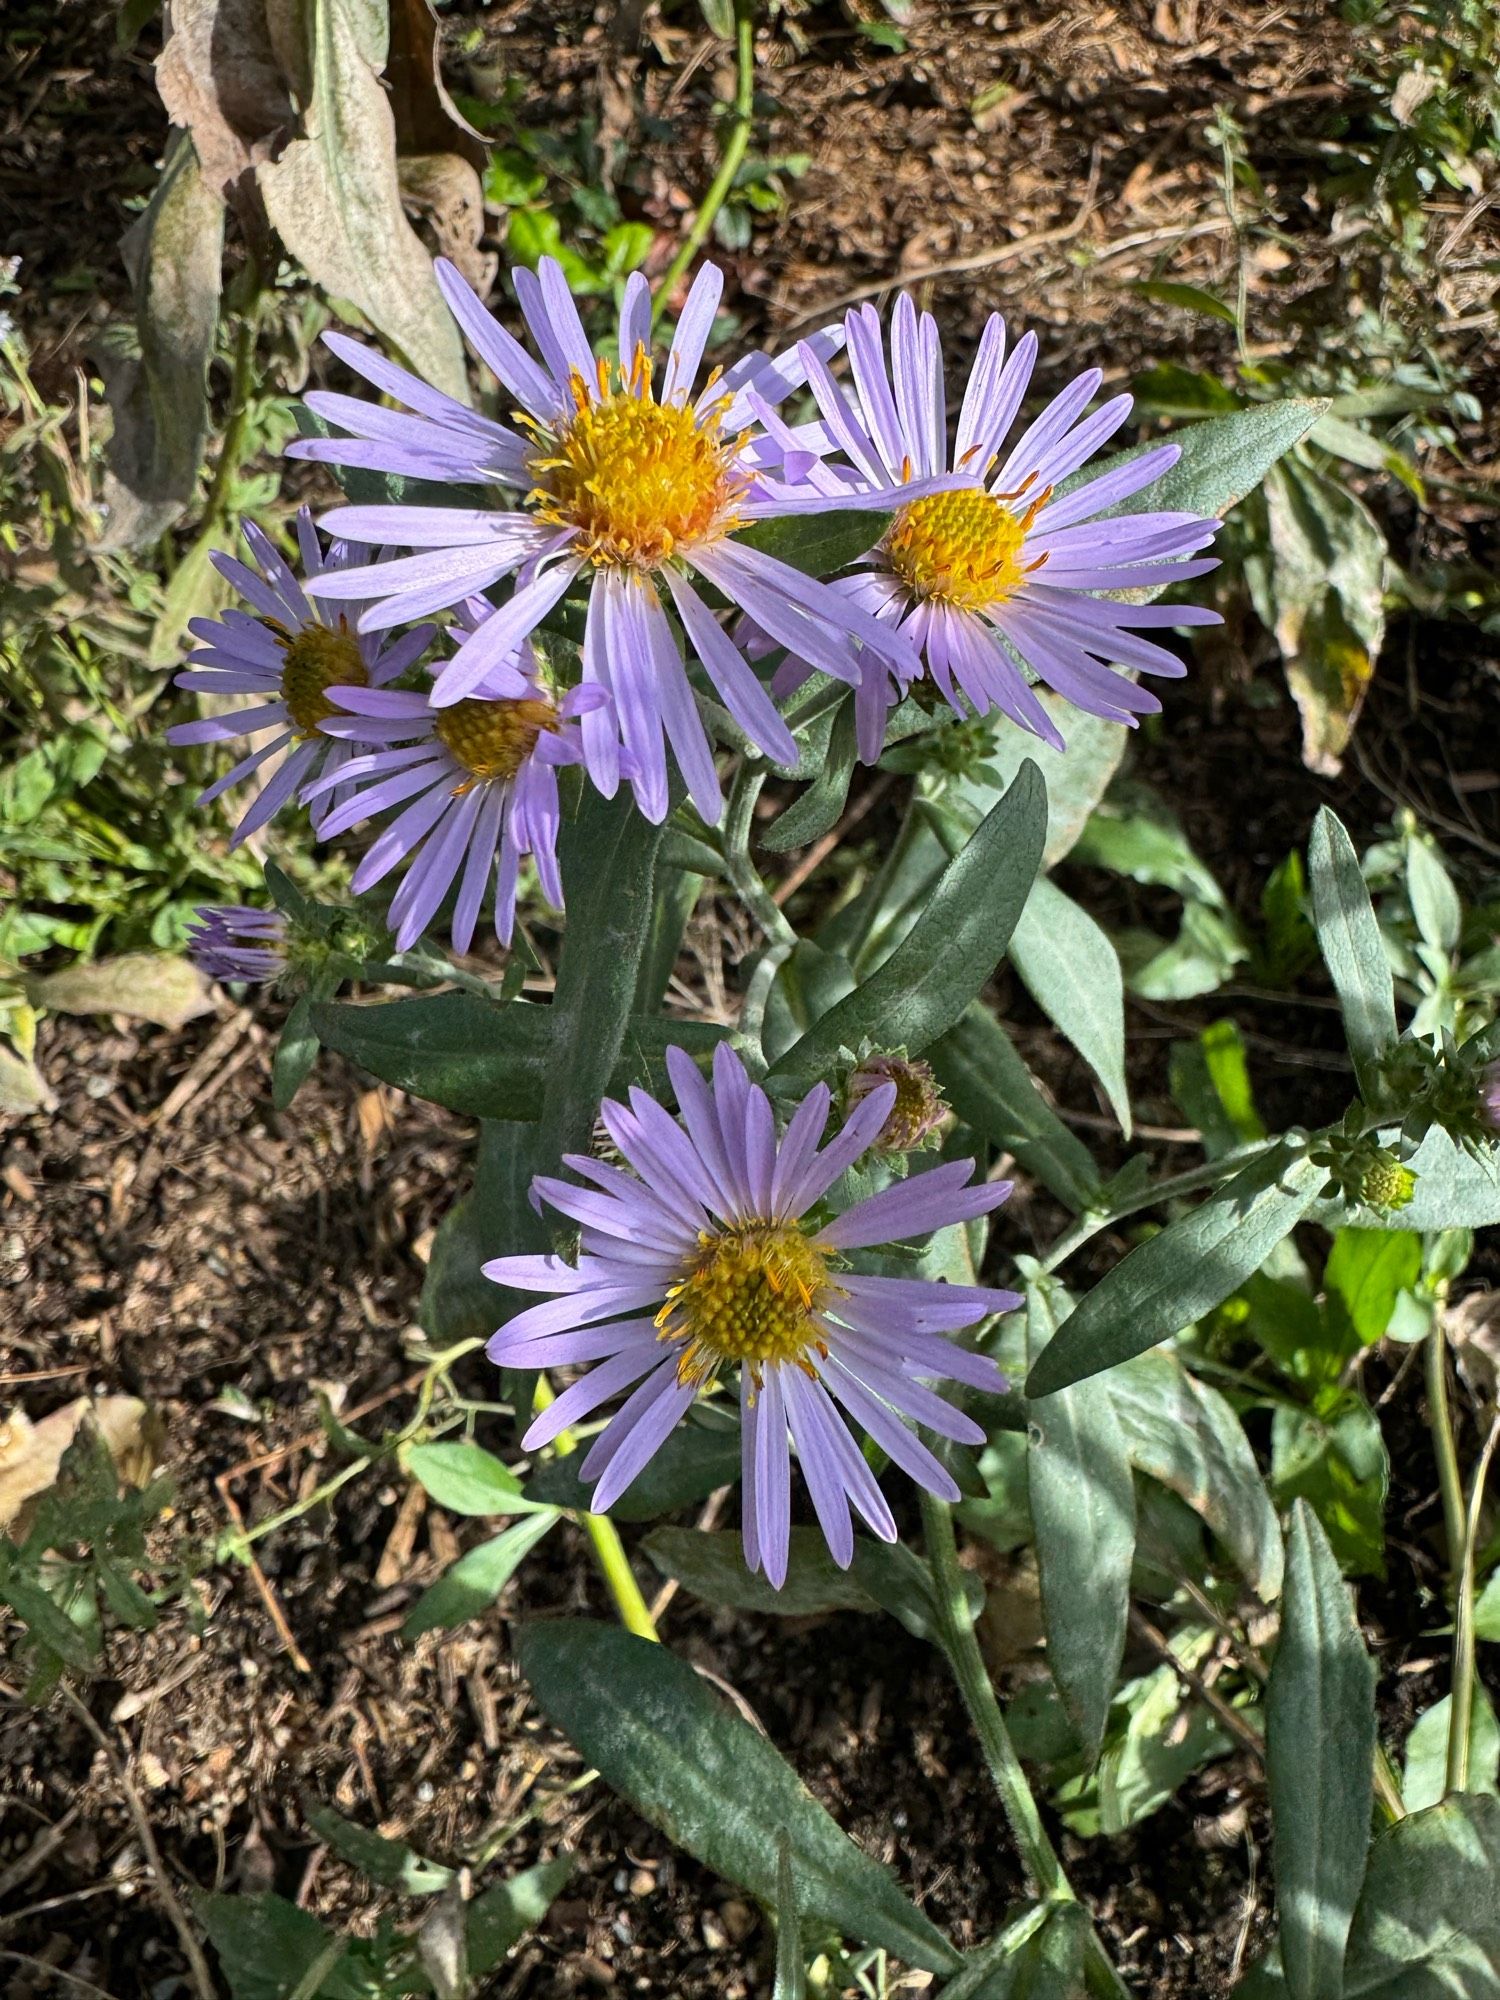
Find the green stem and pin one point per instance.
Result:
(1043, 1868)
(609, 1550)
(1440, 1423)
(1088, 1225)
(781, 939)
(734, 152)
(1461, 1712)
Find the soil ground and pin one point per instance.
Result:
(226, 1249)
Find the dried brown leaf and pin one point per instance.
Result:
(30, 1453)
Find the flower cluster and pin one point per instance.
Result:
(645, 494)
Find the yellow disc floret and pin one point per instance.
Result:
(747, 1296)
(964, 549)
(493, 739)
(317, 659)
(635, 478)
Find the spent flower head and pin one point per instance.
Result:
(918, 1111)
(709, 1255)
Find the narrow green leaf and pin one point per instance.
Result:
(1082, 1497)
(390, 1862)
(1366, 1271)
(1349, 938)
(1174, 1278)
(501, 1917)
(48, 1624)
(476, 1579)
(1434, 900)
(809, 817)
(467, 1479)
(818, 544)
(1191, 298)
(1428, 1922)
(1048, 1963)
(1320, 1742)
(1223, 458)
(296, 1052)
(1424, 1778)
(791, 1973)
(991, 1089)
(266, 1947)
(1072, 971)
(924, 986)
(664, 1739)
(712, 1566)
(458, 1301)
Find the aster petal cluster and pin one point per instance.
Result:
(229, 941)
(710, 1252)
(1001, 576)
(285, 655)
(633, 487)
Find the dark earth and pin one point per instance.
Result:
(227, 1248)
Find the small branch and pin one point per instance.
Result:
(735, 148)
(1461, 1713)
(1248, 1738)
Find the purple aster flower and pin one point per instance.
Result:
(1001, 572)
(229, 941)
(636, 491)
(704, 1259)
(478, 785)
(287, 656)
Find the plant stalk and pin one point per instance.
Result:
(609, 1550)
(735, 147)
(1461, 1710)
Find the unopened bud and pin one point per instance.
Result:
(919, 1108)
(1386, 1184)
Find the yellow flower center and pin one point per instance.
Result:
(635, 478)
(493, 739)
(964, 548)
(316, 660)
(747, 1296)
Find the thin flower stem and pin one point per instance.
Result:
(735, 147)
(1440, 1423)
(780, 938)
(609, 1550)
(1461, 1712)
(1038, 1855)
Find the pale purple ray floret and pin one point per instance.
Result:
(629, 485)
(1005, 572)
(477, 784)
(285, 654)
(230, 941)
(715, 1251)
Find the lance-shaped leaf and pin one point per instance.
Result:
(819, 544)
(1072, 971)
(924, 986)
(488, 1059)
(809, 817)
(1176, 1277)
(991, 1089)
(1350, 941)
(1320, 1740)
(160, 401)
(1083, 1515)
(1428, 1922)
(1222, 459)
(662, 1737)
(334, 196)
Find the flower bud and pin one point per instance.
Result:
(919, 1108)
(1386, 1184)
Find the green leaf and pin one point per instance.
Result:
(898, 1580)
(476, 1579)
(267, 1947)
(1047, 1964)
(712, 1566)
(48, 1624)
(661, 1737)
(489, 1059)
(1487, 1610)
(501, 1917)
(818, 544)
(924, 986)
(809, 817)
(458, 1302)
(1428, 1922)
(1320, 1742)
(696, 1459)
(1349, 938)
(1185, 1435)
(1191, 298)
(468, 1480)
(1072, 971)
(1174, 1278)
(1454, 1190)
(791, 1973)
(1211, 1081)
(1077, 776)
(1223, 458)
(991, 1089)
(334, 198)
(1147, 844)
(146, 985)
(1366, 1270)
(1083, 1516)
(296, 1052)
(1434, 900)
(1336, 1461)
(390, 1862)
(1425, 1776)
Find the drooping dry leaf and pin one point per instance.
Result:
(1473, 1330)
(146, 985)
(30, 1454)
(220, 79)
(334, 197)
(159, 398)
(23, 1088)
